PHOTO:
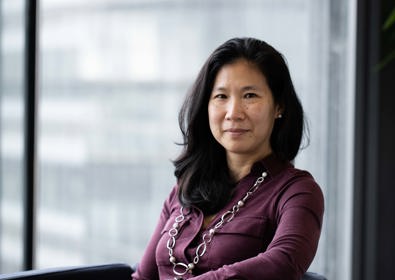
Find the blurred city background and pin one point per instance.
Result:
(111, 77)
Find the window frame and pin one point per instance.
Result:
(30, 108)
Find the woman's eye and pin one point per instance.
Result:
(250, 95)
(220, 96)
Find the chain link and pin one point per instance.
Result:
(180, 268)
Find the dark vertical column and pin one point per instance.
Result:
(365, 161)
(386, 152)
(374, 192)
(386, 179)
(30, 131)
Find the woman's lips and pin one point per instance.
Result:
(236, 131)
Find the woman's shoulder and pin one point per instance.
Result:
(285, 177)
(300, 186)
(294, 175)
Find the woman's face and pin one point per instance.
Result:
(242, 111)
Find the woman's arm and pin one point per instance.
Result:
(288, 256)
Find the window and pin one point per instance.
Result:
(11, 134)
(112, 76)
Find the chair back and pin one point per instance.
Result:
(95, 272)
(90, 272)
(313, 276)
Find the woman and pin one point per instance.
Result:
(240, 210)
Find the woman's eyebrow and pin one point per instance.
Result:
(246, 88)
(219, 88)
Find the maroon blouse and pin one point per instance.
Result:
(274, 236)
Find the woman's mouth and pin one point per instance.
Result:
(236, 131)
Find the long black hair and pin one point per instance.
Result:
(201, 168)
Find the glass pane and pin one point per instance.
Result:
(113, 74)
(11, 134)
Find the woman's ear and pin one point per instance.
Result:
(279, 112)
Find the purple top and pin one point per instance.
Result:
(273, 236)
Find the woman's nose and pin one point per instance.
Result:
(235, 110)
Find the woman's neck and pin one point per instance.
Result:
(240, 166)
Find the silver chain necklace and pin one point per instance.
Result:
(180, 268)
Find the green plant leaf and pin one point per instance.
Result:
(389, 57)
(390, 20)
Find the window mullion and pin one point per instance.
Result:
(30, 132)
